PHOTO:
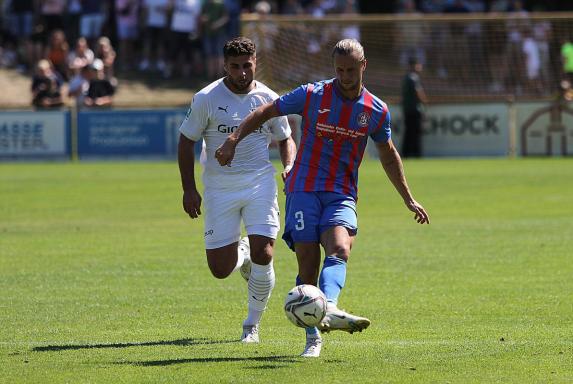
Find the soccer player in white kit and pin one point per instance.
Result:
(246, 191)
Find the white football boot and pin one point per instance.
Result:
(250, 334)
(245, 249)
(338, 320)
(313, 346)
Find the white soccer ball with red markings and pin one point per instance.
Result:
(305, 306)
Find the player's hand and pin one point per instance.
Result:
(226, 152)
(192, 203)
(285, 172)
(421, 216)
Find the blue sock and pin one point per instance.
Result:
(332, 277)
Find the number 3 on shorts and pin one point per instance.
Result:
(299, 216)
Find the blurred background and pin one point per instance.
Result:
(496, 74)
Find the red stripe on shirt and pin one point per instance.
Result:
(337, 148)
(306, 119)
(322, 118)
(348, 182)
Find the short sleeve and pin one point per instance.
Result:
(292, 102)
(280, 128)
(196, 119)
(382, 132)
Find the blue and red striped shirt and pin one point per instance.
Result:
(335, 131)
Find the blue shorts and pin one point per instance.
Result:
(308, 214)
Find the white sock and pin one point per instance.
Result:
(261, 284)
(240, 258)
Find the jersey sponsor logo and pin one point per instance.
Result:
(336, 133)
(363, 119)
(209, 233)
(223, 128)
(323, 110)
(223, 109)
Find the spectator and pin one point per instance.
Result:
(496, 35)
(458, 59)
(81, 56)
(438, 35)
(100, 92)
(518, 20)
(156, 17)
(92, 19)
(567, 60)
(57, 52)
(52, 13)
(542, 32)
(292, 7)
(72, 19)
(21, 22)
(413, 100)
(46, 86)
(80, 84)
(184, 37)
(532, 56)
(234, 25)
(106, 53)
(214, 18)
(411, 34)
(127, 12)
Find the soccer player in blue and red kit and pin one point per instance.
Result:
(338, 116)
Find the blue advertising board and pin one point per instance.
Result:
(128, 133)
(35, 135)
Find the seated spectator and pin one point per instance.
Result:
(100, 92)
(57, 51)
(80, 85)
(81, 56)
(105, 52)
(46, 86)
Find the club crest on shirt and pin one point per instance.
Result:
(363, 119)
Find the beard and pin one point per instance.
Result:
(240, 84)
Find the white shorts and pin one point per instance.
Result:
(224, 208)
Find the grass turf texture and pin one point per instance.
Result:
(104, 279)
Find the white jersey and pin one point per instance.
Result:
(214, 114)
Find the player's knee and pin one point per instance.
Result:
(220, 271)
(262, 256)
(342, 251)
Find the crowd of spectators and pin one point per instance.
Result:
(72, 41)
(519, 56)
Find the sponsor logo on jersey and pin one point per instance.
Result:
(209, 233)
(223, 109)
(223, 128)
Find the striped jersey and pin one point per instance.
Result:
(335, 131)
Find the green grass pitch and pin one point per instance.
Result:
(103, 279)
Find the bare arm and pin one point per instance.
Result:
(394, 169)
(186, 159)
(255, 119)
(287, 149)
(422, 95)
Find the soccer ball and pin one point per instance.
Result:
(305, 306)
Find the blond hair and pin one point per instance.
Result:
(348, 47)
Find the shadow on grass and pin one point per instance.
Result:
(266, 359)
(182, 342)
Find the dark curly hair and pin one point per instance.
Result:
(239, 46)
